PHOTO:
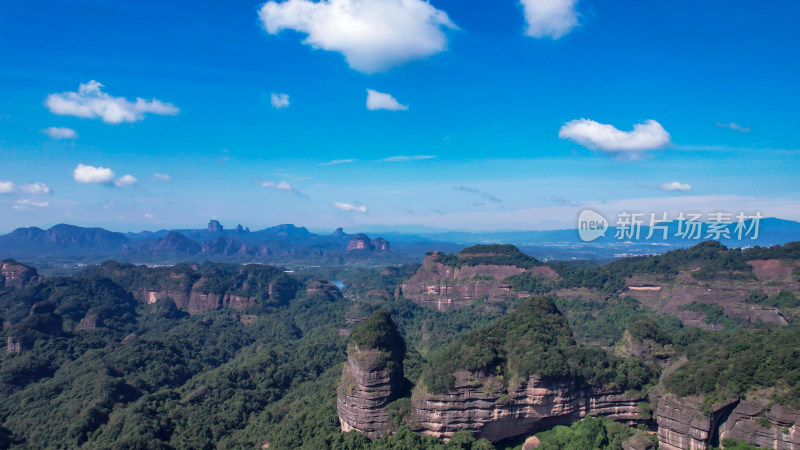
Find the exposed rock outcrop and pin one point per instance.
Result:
(196, 302)
(359, 242)
(444, 287)
(481, 405)
(682, 424)
(372, 377)
(324, 288)
(380, 244)
(16, 275)
(214, 226)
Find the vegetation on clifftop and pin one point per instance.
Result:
(534, 339)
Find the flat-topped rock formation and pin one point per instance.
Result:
(372, 376)
(453, 281)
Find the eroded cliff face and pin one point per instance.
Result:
(195, 302)
(444, 287)
(16, 275)
(483, 406)
(683, 425)
(366, 389)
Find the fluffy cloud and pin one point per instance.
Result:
(59, 133)
(6, 187)
(404, 158)
(24, 205)
(649, 135)
(733, 126)
(373, 35)
(91, 102)
(350, 207)
(161, 177)
(35, 188)
(90, 174)
(675, 186)
(378, 100)
(125, 181)
(549, 18)
(279, 101)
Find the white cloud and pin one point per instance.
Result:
(161, 177)
(125, 181)
(24, 205)
(91, 102)
(35, 188)
(378, 100)
(404, 158)
(733, 126)
(149, 216)
(675, 186)
(649, 135)
(59, 133)
(350, 207)
(338, 161)
(373, 35)
(280, 185)
(279, 101)
(283, 186)
(549, 18)
(6, 187)
(90, 174)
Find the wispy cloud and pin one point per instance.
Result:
(675, 186)
(160, 177)
(379, 100)
(649, 135)
(338, 161)
(350, 207)
(24, 205)
(35, 189)
(486, 196)
(404, 158)
(373, 35)
(149, 216)
(284, 186)
(91, 102)
(733, 126)
(279, 101)
(561, 201)
(59, 133)
(549, 18)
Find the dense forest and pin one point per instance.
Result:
(92, 366)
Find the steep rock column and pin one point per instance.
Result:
(372, 377)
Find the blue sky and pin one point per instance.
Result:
(492, 136)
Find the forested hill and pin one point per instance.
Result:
(239, 356)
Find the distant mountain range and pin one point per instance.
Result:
(289, 244)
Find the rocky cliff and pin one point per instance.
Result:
(443, 286)
(16, 275)
(372, 377)
(480, 404)
(195, 302)
(683, 423)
